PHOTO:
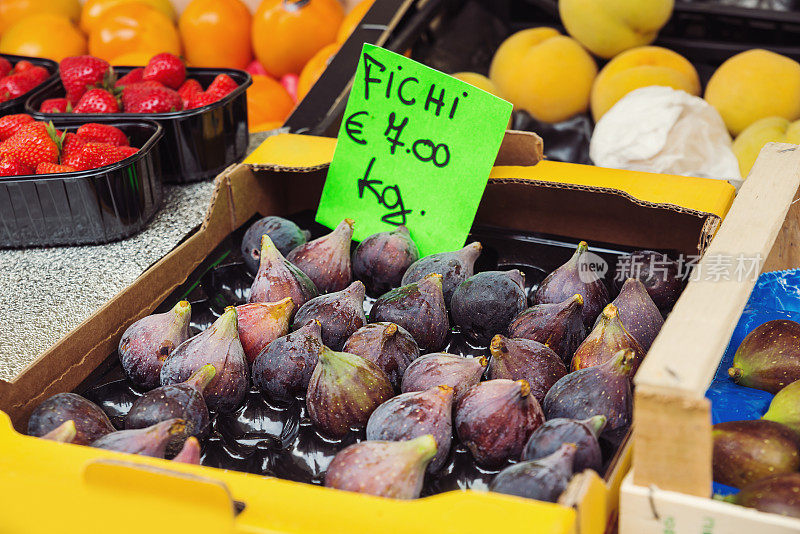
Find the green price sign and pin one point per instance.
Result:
(416, 147)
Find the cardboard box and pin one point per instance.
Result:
(285, 176)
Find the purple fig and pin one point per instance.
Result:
(494, 420)
(177, 401)
(785, 407)
(344, 391)
(148, 342)
(190, 453)
(150, 441)
(523, 359)
(277, 279)
(340, 314)
(440, 368)
(601, 390)
(419, 308)
(64, 433)
(415, 414)
(607, 338)
(381, 260)
(326, 260)
(261, 323)
(544, 479)
(558, 325)
(91, 422)
(285, 234)
(484, 304)
(284, 368)
(387, 345)
(219, 346)
(455, 267)
(660, 275)
(777, 494)
(554, 433)
(394, 469)
(578, 275)
(639, 315)
(769, 357)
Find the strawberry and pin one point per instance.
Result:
(97, 101)
(91, 156)
(79, 73)
(32, 144)
(11, 123)
(71, 144)
(11, 167)
(134, 76)
(166, 69)
(190, 87)
(102, 133)
(125, 152)
(50, 168)
(23, 65)
(55, 105)
(199, 100)
(150, 97)
(5, 67)
(221, 87)
(19, 83)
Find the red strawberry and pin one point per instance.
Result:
(150, 98)
(55, 105)
(5, 67)
(79, 73)
(50, 168)
(11, 123)
(11, 167)
(70, 145)
(102, 133)
(166, 69)
(222, 86)
(134, 76)
(23, 65)
(199, 100)
(19, 83)
(33, 144)
(91, 156)
(126, 152)
(97, 101)
(190, 87)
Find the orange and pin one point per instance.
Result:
(352, 20)
(133, 28)
(287, 33)
(44, 35)
(267, 101)
(134, 59)
(265, 126)
(12, 11)
(314, 69)
(216, 33)
(94, 9)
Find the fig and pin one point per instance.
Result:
(785, 407)
(638, 313)
(326, 260)
(381, 260)
(343, 392)
(455, 267)
(148, 342)
(219, 346)
(190, 453)
(440, 368)
(484, 304)
(410, 415)
(544, 479)
(261, 323)
(601, 390)
(558, 325)
(778, 494)
(283, 369)
(607, 338)
(554, 433)
(176, 401)
(746, 451)
(63, 433)
(660, 275)
(340, 314)
(494, 420)
(523, 359)
(394, 469)
(576, 276)
(91, 422)
(387, 345)
(419, 308)
(150, 441)
(285, 234)
(768, 357)
(277, 279)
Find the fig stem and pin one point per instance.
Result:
(524, 388)
(202, 377)
(578, 298)
(735, 373)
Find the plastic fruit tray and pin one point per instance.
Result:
(198, 143)
(17, 105)
(85, 207)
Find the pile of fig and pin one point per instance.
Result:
(358, 343)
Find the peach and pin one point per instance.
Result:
(478, 80)
(641, 67)
(545, 73)
(753, 85)
(749, 143)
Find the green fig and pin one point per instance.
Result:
(769, 356)
(778, 494)
(785, 407)
(608, 337)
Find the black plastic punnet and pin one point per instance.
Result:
(17, 105)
